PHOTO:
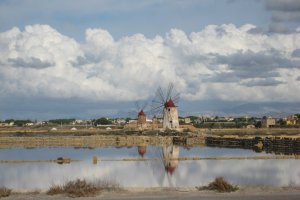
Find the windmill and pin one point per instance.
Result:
(141, 116)
(165, 102)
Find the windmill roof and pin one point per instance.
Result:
(141, 113)
(142, 150)
(169, 103)
(170, 169)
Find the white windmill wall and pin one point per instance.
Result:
(171, 155)
(170, 118)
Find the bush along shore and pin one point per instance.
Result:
(4, 192)
(219, 185)
(83, 188)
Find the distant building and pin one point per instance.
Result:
(291, 120)
(4, 124)
(187, 120)
(154, 122)
(121, 121)
(267, 122)
(250, 126)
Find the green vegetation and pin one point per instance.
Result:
(9, 121)
(102, 121)
(219, 185)
(4, 192)
(82, 188)
(61, 121)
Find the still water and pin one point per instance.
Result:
(151, 173)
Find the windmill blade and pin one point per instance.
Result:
(144, 105)
(160, 95)
(132, 114)
(169, 91)
(176, 98)
(157, 102)
(170, 182)
(157, 108)
(137, 106)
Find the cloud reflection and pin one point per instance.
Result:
(150, 173)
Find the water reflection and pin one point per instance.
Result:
(170, 158)
(142, 150)
(165, 172)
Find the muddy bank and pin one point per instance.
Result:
(48, 131)
(171, 193)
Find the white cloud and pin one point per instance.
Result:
(220, 62)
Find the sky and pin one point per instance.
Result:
(93, 58)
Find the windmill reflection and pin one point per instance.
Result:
(170, 158)
(165, 167)
(142, 150)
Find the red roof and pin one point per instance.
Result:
(141, 113)
(142, 150)
(170, 169)
(169, 104)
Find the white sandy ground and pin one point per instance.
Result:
(272, 193)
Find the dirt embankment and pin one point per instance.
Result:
(269, 193)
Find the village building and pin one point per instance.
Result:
(187, 120)
(267, 122)
(154, 122)
(291, 120)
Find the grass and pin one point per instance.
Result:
(219, 185)
(82, 188)
(55, 189)
(4, 192)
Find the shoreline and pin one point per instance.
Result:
(162, 192)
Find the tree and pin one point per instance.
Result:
(127, 119)
(103, 121)
(61, 121)
(9, 120)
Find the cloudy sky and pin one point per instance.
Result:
(93, 58)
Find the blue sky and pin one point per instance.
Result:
(128, 17)
(88, 59)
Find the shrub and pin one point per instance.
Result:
(220, 185)
(82, 188)
(55, 189)
(4, 192)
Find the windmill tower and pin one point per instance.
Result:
(170, 114)
(166, 101)
(141, 118)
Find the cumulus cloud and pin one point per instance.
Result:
(283, 13)
(219, 62)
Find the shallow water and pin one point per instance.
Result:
(152, 173)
